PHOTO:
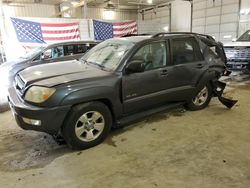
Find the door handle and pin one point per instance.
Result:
(199, 66)
(164, 72)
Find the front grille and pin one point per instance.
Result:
(238, 54)
(19, 84)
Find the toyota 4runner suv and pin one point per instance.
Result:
(117, 82)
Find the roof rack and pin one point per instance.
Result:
(132, 35)
(162, 34)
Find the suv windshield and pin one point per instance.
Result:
(108, 54)
(32, 53)
(245, 36)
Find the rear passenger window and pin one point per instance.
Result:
(69, 50)
(186, 50)
(211, 50)
(81, 48)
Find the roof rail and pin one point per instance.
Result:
(185, 33)
(132, 35)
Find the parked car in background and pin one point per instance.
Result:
(53, 53)
(117, 82)
(238, 53)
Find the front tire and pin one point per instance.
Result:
(202, 98)
(87, 125)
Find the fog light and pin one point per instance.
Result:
(32, 121)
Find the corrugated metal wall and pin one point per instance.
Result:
(154, 20)
(29, 10)
(42, 10)
(97, 13)
(218, 18)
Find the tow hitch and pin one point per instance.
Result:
(218, 88)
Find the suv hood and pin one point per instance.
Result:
(232, 44)
(55, 74)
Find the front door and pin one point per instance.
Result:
(146, 89)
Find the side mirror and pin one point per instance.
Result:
(46, 54)
(135, 66)
(42, 57)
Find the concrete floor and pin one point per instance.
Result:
(208, 149)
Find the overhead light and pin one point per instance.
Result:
(64, 8)
(109, 14)
(165, 28)
(227, 36)
(247, 11)
(149, 1)
(74, 3)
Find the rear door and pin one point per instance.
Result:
(188, 63)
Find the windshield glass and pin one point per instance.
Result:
(245, 36)
(108, 54)
(32, 53)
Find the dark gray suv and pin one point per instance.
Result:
(117, 82)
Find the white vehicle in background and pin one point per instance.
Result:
(238, 53)
(53, 53)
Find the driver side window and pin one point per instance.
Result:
(154, 55)
(53, 53)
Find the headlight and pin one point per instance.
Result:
(38, 94)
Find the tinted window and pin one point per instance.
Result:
(69, 49)
(186, 50)
(81, 48)
(245, 36)
(211, 50)
(154, 55)
(53, 53)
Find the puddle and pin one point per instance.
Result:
(21, 150)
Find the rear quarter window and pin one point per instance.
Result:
(186, 50)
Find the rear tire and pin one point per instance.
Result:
(87, 125)
(202, 98)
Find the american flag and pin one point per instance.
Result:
(106, 30)
(30, 32)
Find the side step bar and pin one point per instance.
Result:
(138, 116)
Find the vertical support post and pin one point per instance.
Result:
(170, 22)
(85, 10)
(2, 31)
(238, 25)
(192, 8)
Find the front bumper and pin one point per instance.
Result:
(51, 118)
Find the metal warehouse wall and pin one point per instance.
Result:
(29, 10)
(218, 18)
(154, 20)
(97, 13)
